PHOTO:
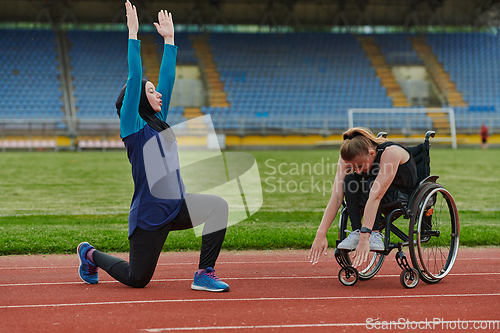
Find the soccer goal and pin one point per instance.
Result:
(407, 121)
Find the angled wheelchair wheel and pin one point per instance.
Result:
(369, 269)
(434, 229)
(409, 278)
(372, 266)
(348, 276)
(375, 260)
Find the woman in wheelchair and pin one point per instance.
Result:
(371, 172)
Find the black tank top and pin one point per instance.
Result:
(406, 176)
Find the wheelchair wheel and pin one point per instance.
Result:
(434, 229)
(409, 278)
(375, 260)
(348, 276)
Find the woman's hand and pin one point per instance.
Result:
(319, 246)
(132, 20)
(165, 26)
(362, 250)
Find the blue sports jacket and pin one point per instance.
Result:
(147, 211)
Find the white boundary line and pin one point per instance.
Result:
(170, 280)
(227, 278)
(259, 299)
(251, 327)
(407, 325)
(194, 263)
(218, 263)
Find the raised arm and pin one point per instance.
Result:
(130, 120)
(165, 27)
(320, 243)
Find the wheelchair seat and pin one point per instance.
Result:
(422, 159)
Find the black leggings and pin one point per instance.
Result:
(146, 246)
(356, 193)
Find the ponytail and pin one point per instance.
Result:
(357, 141)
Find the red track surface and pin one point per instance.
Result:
(271, 291)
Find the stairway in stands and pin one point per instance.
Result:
(437, 72)
(384, 71)
(150, 58)
(197, 128)
(151, 63)
(442, 80)
(217, 95)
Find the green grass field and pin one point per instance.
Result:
(52, 201)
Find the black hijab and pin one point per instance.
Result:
(145, 110)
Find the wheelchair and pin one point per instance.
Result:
(433, 235)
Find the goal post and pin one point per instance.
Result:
(384, 117)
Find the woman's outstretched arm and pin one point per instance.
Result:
(129, 113)
(165, 27)
(320, 243)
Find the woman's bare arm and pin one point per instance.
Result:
(320, 243)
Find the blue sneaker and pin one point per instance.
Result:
(87, 270)
(208, 281)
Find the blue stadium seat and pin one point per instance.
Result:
(307, 74)
(472, 60)
(28, 63)
(100, 69)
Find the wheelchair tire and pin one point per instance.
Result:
(375, 259)
(435, 231)
(409, 278)
(348, 276)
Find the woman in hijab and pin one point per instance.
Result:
(143, 111)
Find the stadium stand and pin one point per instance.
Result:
(100, 68)
(29, 86)
(398, 49)
(472, 60)
(296, 81)
(185, 51)
(275, 83)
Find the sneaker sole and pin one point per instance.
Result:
(371, 249)
(347, 248)
(201, 288)
(80, 259)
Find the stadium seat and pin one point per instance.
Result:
(29, 60)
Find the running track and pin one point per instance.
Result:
(271, 291)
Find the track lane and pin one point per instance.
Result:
(279, 289)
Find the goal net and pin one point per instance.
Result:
(407, 121)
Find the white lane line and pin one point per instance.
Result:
(258, 299)
(227, 278)
(369, 325)
(194, 263)
(218, 263)
(170, 280)
(251, 327)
